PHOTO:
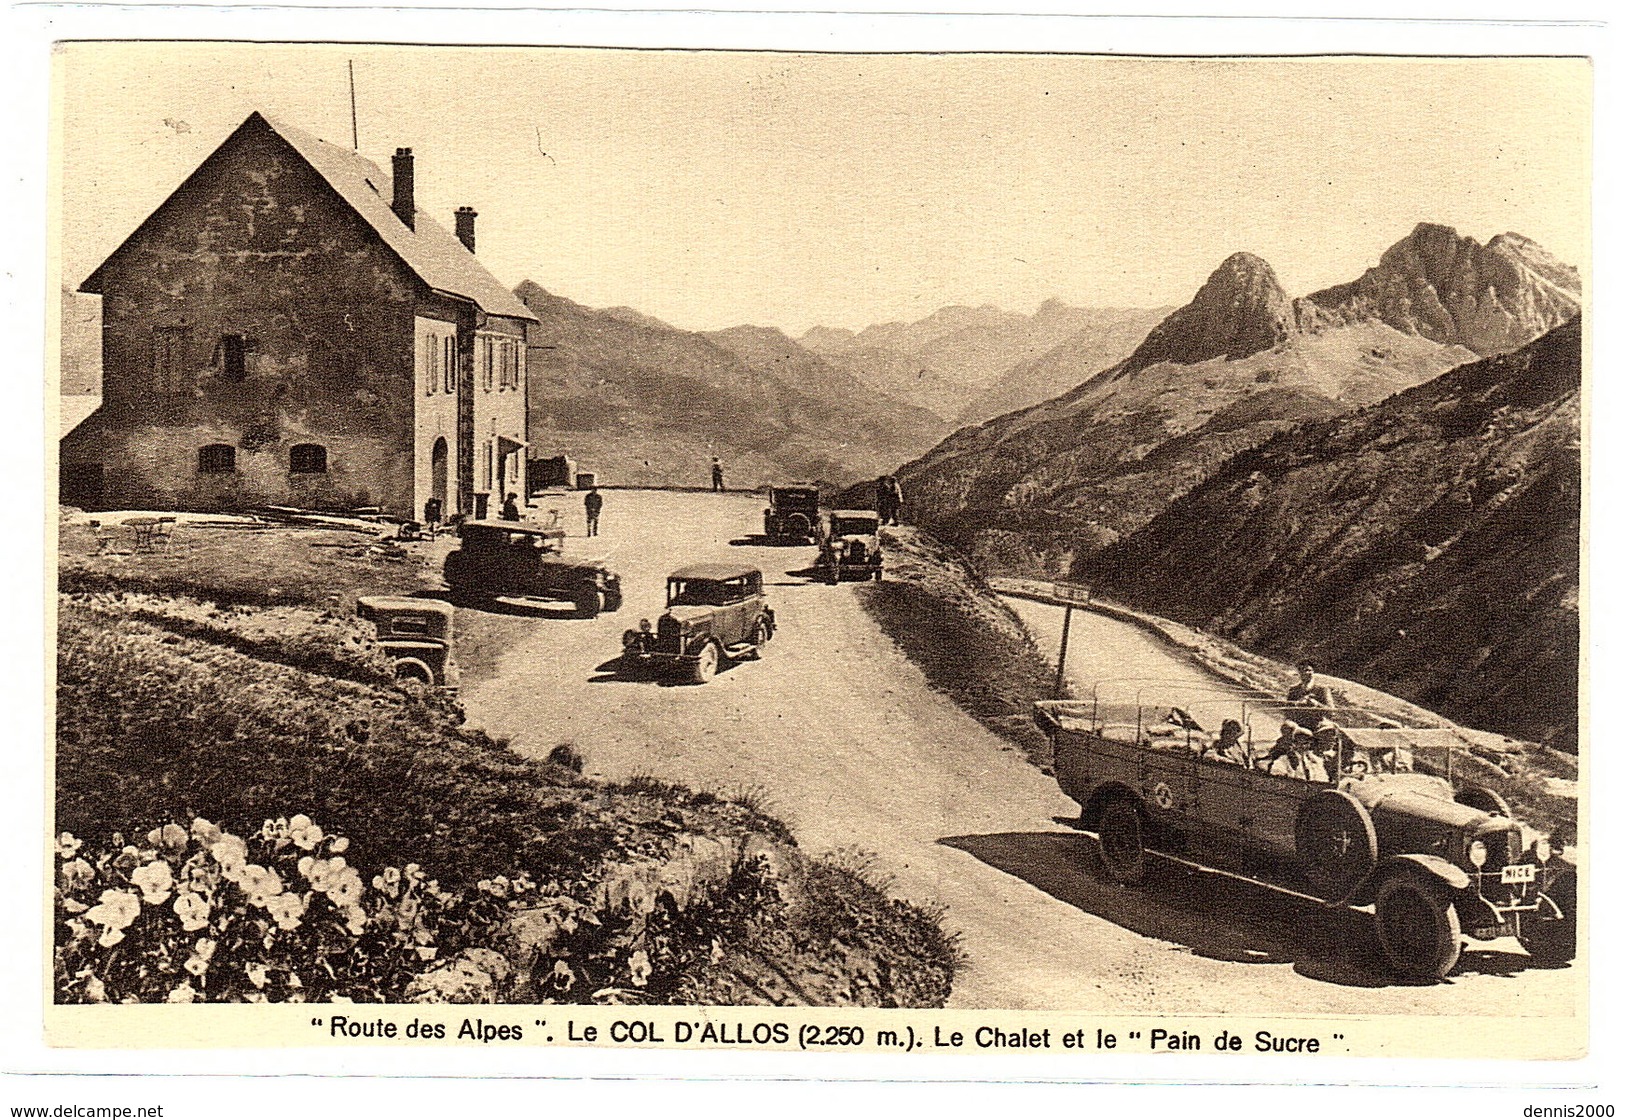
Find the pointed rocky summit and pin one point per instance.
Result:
(1241, 310)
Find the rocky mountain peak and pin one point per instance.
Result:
(1241, 310)
(1444, 286)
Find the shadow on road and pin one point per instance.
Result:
(756, 540)
(613, 672)
(514, 608)
(1212, 915)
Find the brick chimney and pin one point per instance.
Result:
(465, 226)
(405, 203)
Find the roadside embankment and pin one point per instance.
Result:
(971, 647)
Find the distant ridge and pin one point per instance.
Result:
(644, 403)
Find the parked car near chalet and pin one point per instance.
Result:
(415, 634)
(849, 546)
(513, 559)
(791, 513)
(1390, 822)
(715, 614)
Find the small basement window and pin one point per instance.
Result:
(216, 458)
(307, 458)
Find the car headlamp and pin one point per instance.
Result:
(1543, 849)
(1477, 853)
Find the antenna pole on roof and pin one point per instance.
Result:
(355, 137)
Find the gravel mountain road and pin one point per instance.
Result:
(841, 736)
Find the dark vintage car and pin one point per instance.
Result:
(849, 546)
(513, 559)
(415, 634)
(791, 513)
(1382, 818)
(715, 614)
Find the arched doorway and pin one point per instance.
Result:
(437, 472)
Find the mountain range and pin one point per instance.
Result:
(643, 402)
(646, 402)
(967, 364)
(1428, 545)
(1039, 488)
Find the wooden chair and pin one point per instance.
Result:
(163, 534)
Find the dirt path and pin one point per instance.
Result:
(840, 735)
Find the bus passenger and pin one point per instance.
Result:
(1301, 760)
(1228, 747)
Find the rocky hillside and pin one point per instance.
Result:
(642, 402)
(1440, 285)
(969, 363)
(1034, 490)
(1428, 546)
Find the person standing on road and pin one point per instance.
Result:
(894, 500)
(595, 505)
(716, 475)
(883, 500)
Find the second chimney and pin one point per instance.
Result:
(465, 225)
(405, 203)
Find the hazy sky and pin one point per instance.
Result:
(712, 189)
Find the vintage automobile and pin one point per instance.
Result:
(1384, 818)
(415, 634)
(715, 613)
(849, 546)
(513, 559)
(791, 513)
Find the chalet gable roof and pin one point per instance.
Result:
(432, 253)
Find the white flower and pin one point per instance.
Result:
(116, 911)
(287, 909)
(155, 880)
(182, 993)
(304, 832)
(193, 911)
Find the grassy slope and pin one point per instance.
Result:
(169, 707)
(944, 616)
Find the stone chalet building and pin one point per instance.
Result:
(289, 329)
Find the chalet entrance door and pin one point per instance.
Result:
(438, 464)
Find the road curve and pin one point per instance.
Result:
(842, 737)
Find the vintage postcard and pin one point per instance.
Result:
(985, 555)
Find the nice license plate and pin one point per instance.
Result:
(1518, 873)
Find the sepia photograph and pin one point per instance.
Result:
(1038, 552)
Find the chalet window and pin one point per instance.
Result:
(507, 364)
(448, 360)
(431, 372)
(488, 361)
(168, 359)
(216, 458)
(233, 355)
(307, 458)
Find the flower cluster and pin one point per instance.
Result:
(201, 913)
